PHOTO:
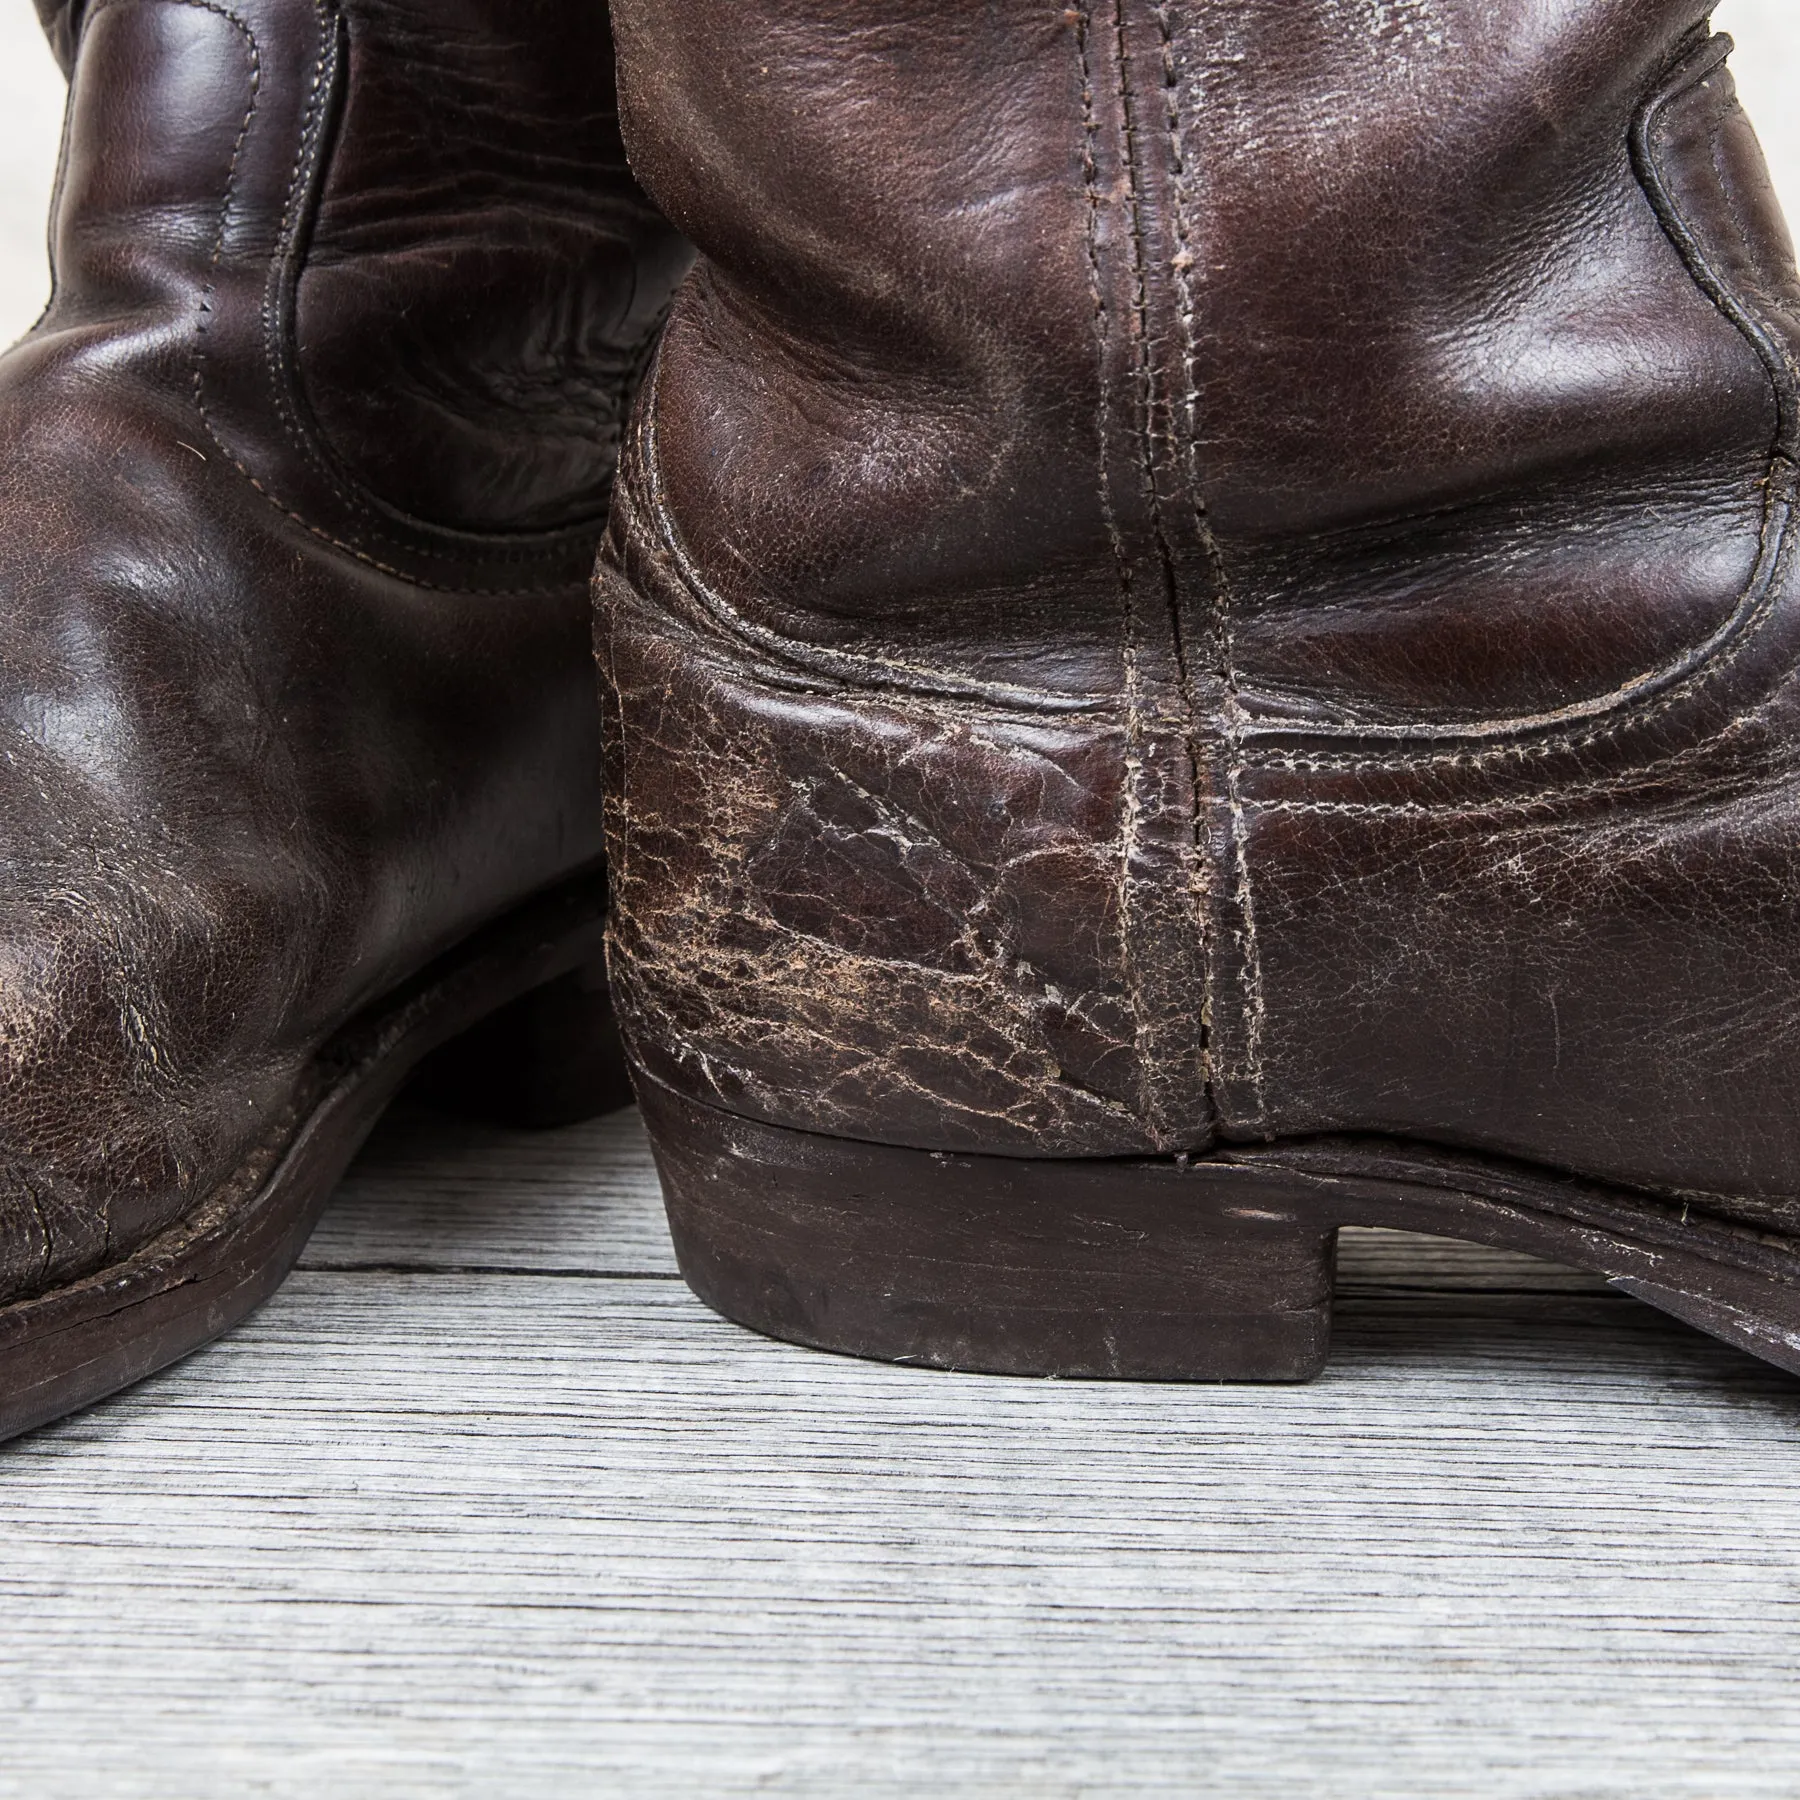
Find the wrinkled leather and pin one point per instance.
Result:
(1194, 573)
(476, 160)
(294, 685)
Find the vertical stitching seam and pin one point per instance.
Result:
(210, 292)
(307, 160)
(1185, 431)
(1102, 320)
(1181, 726)
(1751, 283)
(1082, 17)
(1142, 356)
(1249, 948)
(1184, 258)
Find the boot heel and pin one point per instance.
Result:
(1112, 1269)
(552, 1057)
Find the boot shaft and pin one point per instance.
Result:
(414, 277)
(1195, 573)
(1327, 313)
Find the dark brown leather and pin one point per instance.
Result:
(62, 25)
(302, 471)
(1206, 572)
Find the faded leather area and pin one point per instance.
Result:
(849, 910)
(1587, 957)
(120, 1111)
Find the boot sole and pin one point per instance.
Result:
(76, 1344)
(1215, 1268)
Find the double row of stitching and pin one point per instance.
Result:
(1129, 836)
(1254, 1008)
(1163, 894)
(276, 358)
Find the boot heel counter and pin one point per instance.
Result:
(869, 913)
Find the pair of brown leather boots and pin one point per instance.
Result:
(1198, 634)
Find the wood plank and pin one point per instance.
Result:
(432, 1192)
(549, 1534)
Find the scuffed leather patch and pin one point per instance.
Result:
(868, 914)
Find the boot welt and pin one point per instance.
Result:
(1213, 1268)
(75, 1344)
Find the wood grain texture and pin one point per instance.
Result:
(485, 1504)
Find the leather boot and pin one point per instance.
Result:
(1201, 632)
(301, 475)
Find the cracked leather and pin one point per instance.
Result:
(303, 470)
(1200, 573)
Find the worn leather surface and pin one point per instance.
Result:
(294, 684)
(1195, 573)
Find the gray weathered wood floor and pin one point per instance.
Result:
(486, 1504)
